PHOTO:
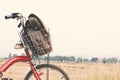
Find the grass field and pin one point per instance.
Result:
(76, 71)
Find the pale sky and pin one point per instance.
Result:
(88, 28)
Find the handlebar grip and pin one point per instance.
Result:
(13, 15)
(8, 16)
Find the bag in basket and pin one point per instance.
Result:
(37, 38)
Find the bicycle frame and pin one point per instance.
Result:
(16, 59)
(26, 58)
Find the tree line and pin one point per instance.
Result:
(80, 59)
(72, 59)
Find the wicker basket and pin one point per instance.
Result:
(38, 42)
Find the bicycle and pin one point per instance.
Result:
(38, 71)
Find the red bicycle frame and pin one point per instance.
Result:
(26, 58)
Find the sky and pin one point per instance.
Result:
(87, 28)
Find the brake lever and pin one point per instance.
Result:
(19, 25)
(15, 14)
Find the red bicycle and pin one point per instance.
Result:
(38, 72)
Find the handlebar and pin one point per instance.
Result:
(17, 16)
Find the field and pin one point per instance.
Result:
(76, 71)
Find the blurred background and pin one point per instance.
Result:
(88, 28)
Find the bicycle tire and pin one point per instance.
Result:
(53, 67)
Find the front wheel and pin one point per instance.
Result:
(48, 72)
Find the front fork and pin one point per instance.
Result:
(32, 67)
(36, 75)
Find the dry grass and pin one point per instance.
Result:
(81, 71)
